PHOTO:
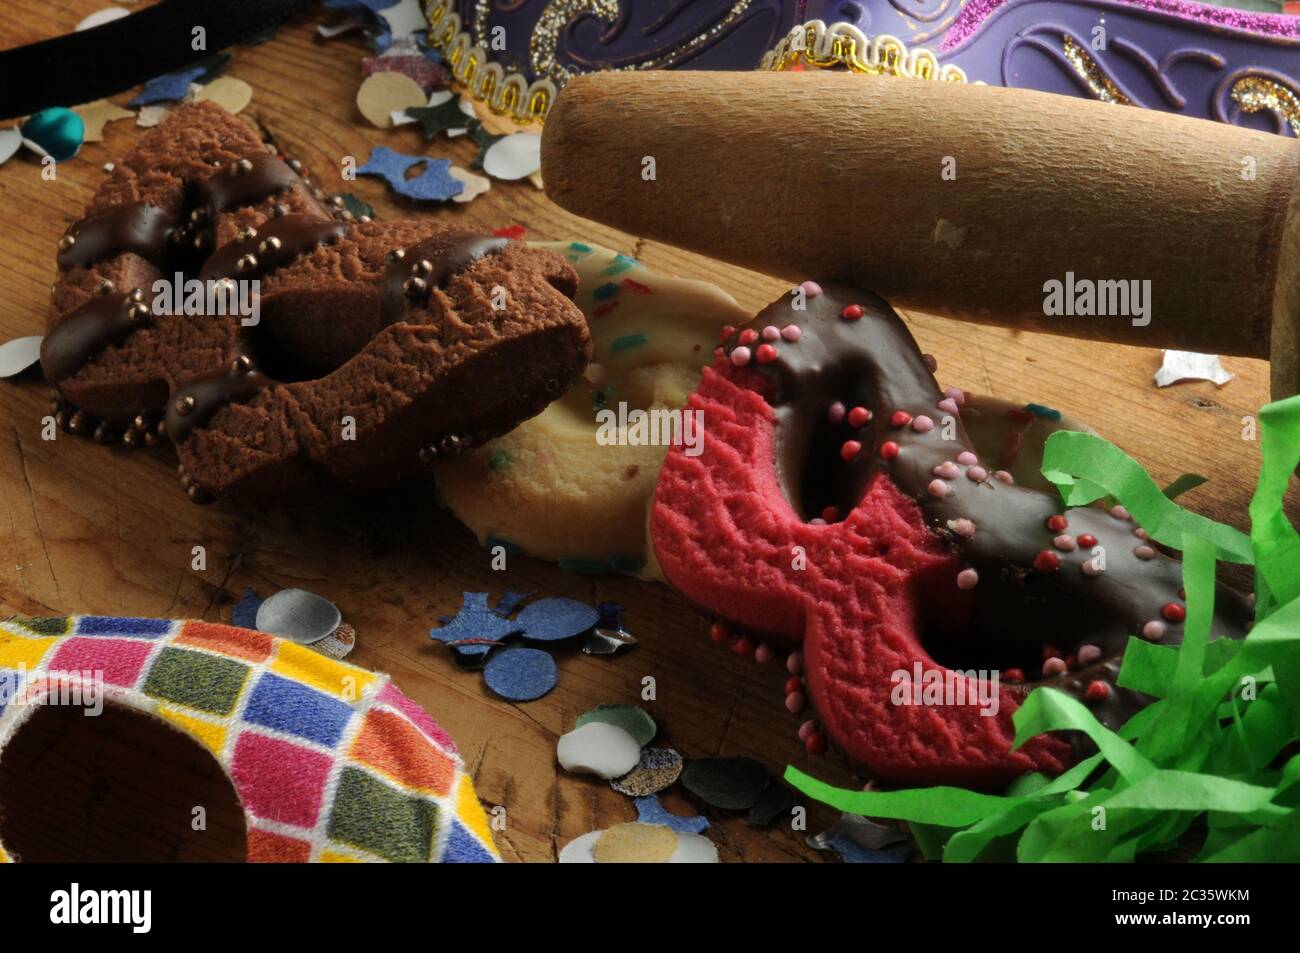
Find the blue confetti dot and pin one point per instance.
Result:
(1047, 413)
(550, 620)
(521, 675)
(607, 290)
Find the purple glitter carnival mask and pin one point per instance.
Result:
(1211, 62)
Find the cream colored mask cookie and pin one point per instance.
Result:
(573, 484)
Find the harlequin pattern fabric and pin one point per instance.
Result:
(330, 761)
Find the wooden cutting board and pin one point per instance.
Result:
(89, 530)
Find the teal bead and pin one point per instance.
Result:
(58, 131)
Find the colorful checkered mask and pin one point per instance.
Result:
(331, 762)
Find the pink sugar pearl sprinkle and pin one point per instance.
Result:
(967, 579)
(771, 332)
(792, 332)
(967, 459)
(962, 527)
(811, 289)
(922, 424)
(947, 470)
(948, 406)
(741, 356)
(978, 474)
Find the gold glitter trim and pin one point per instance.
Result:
(1254, 93)
(482, 79)
(1098, 82)
(812, 44)
(843, 45)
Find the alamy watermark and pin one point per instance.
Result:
(651, 428)
(946, 687)
(1086, 298)
(220, 297)
(74, 689)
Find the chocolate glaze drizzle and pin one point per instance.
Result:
(1034, 597)
(193, 403)
(143, 229)
(249, 181)
(101, 321)
(150, 233)
(407, 280)
(277, 244)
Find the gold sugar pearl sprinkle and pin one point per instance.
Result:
(413, 286)
(242, 364)
(269, 245)
(104, 287)
(246, 263)
(184, 405)
(394, 256)
(245, 233)
(66, 242)
(422, 267)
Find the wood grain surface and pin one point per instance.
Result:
(85, 529)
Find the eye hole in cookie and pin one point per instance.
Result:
(119, 786)
(825, 449)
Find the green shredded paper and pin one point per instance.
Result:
(1210, 768)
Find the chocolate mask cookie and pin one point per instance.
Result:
(372, 348)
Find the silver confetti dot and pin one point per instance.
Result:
(298, 615)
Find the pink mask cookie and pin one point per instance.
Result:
(838, 504)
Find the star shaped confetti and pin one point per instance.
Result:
(434, 184)
(170, 88)
(475, 625)
(448, 116)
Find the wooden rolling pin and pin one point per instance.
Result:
(973, 202)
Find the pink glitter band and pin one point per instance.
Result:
(975, 12)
